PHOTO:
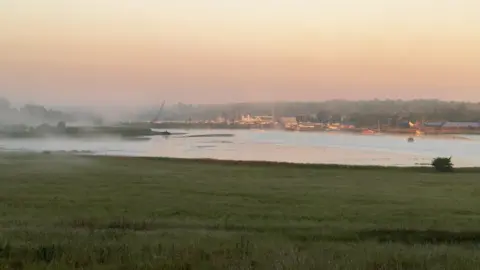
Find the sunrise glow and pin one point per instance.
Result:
(222, 51)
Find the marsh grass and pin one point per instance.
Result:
(70, 212)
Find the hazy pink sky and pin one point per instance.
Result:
(211, 51)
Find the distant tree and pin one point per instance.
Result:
(61, 125)
(366, 112)
(4, 104)
(442, 164)
(323, 116)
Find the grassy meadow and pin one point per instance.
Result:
(72, 212)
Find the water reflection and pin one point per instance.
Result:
(301, 147)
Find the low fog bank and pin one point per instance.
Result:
(363, 113)
(35, 115)
(89, 115)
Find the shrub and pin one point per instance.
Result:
(443, 164)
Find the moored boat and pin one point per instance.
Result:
(368, 132)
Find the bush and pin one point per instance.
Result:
(442, 164)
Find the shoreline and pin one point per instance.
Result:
(211, 161)
(104, 212)
(340, 149)
(134, 131)
(276, 127)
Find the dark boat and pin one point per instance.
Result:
(164, 133)
(410, 140)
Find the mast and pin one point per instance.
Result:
(158, 113)
(273, 112)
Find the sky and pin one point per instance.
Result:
(215, 51)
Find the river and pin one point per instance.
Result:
(301, 147)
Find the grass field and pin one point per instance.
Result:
(66, 212)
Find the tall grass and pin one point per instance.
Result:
(67, 212)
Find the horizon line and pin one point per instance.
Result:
(273, 102)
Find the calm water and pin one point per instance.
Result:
(304, 147)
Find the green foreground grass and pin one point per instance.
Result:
(66, 212)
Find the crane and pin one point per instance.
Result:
(158, 113)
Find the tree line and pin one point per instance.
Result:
(359, 112)
(32, 114)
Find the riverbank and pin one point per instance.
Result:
(67, 211)
(318, 128)
(61, 130)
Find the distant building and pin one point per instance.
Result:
(433, 124)
(288, 120)
(220, 119)
(403, 124)
(461, 125)
(265, 119)
(249, 119)
(306, 119)
(347, 125)
(334, 126)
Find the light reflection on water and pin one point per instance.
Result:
(303, 147)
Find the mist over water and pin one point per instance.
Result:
(297, 147)
(269, 145)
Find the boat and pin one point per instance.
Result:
(410, 139)
(164, 133)
(368, 132)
